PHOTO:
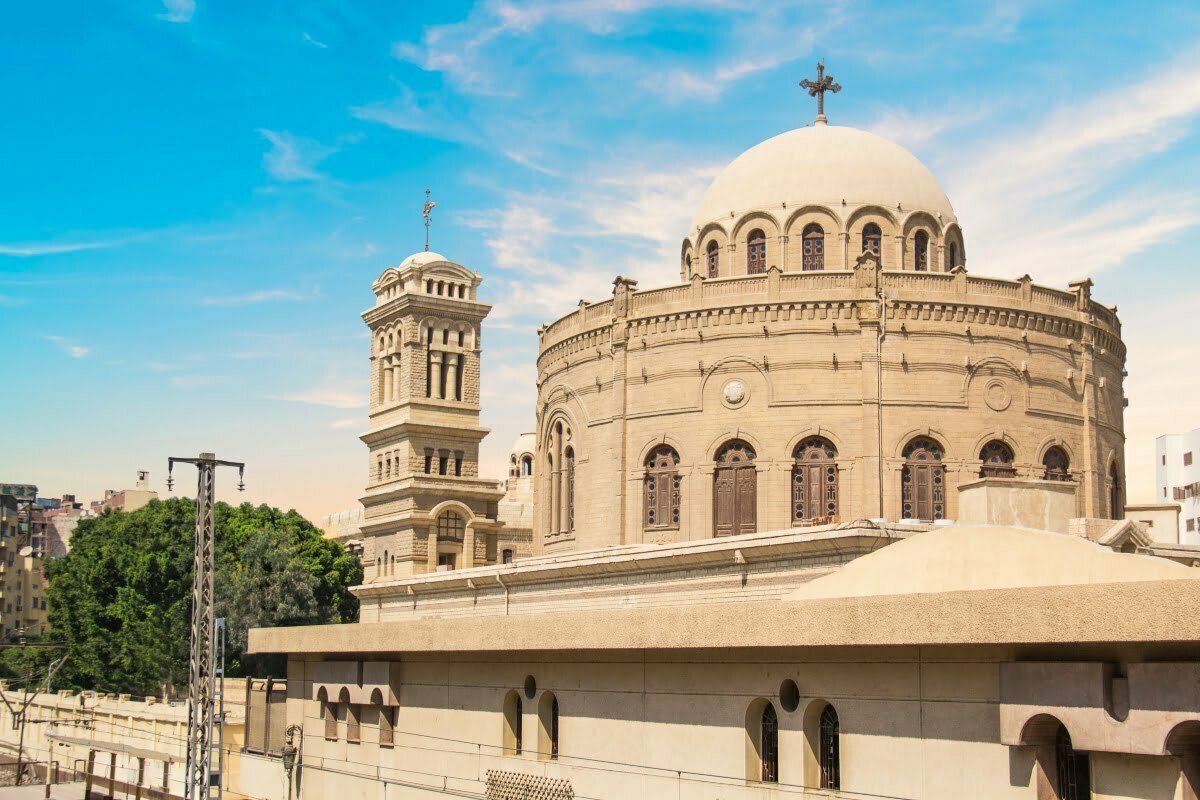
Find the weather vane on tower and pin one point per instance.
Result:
(824, 83)
(427, 213)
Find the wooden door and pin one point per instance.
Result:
(724, 513)
(923, 491)
(745, 507)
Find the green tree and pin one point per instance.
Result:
(121, 599)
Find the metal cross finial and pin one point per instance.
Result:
(427, 213)
(824, 83)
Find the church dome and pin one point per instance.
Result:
(421, 258)
(827, 165)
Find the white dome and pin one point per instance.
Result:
(421, 258)
(822, 165)
(526, 443)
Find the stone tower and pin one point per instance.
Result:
(425, 506)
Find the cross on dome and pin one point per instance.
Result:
(427, 213)
(824, 83)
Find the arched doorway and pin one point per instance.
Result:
(735, 490)
(923, 481)
(814, 482)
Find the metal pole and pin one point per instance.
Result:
(198, 772)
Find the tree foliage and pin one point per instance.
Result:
(121, 599)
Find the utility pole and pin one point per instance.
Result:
(201, 679)
(18, 714)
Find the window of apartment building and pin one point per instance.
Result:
(1187, 458)
(1191, 525)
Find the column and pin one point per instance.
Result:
(395, 377)
(436, 376)
(899, 253)
(452, 376)
(556, 468)
(468, 555)
(387, 384)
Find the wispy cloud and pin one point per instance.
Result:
(331, 394)
(1067, 190)
(54, 248)
(190, 382)
(318, 44)
(11, 302)
(260, 296)
(293, 158)
(342, 424)
(178, 10)
(425, 116)
(70, 348)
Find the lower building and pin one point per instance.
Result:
(890, 660)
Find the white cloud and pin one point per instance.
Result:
(178, 10)
(331, 394)
(31, 249)
(189, 382)
(340, 424)
(250, 298)
(293, 158)
(70, 348)
(1057, 190)
(407, 112)
(308, 38)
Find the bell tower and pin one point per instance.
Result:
(425, 506)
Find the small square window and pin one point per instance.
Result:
(1191, 525)
(1187, 458)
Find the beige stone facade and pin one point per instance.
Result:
(876, 361)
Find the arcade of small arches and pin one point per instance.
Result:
(815, 238)
(560, 472)
(446, 344)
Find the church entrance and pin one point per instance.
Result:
(735, 490)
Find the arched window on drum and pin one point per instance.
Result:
(662, 489)
(814, 482)
(1057, 464)
(872, 239)
(923, 481)
(756, 252)
(813, 244)
(713, 257)
(921, 252)
(997, 460)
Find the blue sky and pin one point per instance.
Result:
(197, 195)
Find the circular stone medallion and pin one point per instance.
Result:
(996, 396)
(734, 394)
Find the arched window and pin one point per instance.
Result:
(450, 527)
(687, 263)
(921, 252)
(997, 458)
(735, 490)
(383, 713)
(662, 490)
(813, 248)
(526, 466)
(953, 257)
(769, 744)
(829, 749)
(1072, 769)
(756, 252)
(512, 724)
(570, 488)
(561, 474)
(353, 729)
(714, 259)
(923, 481)
(872, 238)
(548, 747)
(329, 711)
(1114, 491)
(1057, 464)
(814, 482)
